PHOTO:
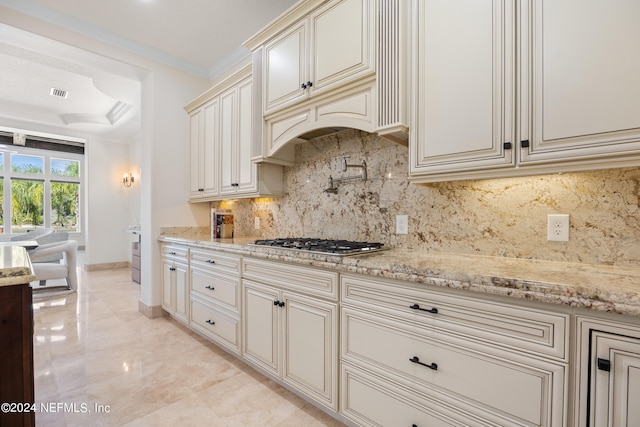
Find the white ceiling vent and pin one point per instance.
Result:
(60, 93)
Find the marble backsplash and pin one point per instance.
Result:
(498, 217)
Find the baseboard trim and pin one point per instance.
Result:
(107, 266)
(152, 312)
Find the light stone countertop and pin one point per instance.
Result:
(15, 266)
(596, 287)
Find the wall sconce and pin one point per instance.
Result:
(128, 180)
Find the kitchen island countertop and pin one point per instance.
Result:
(15, 266)
(614, 289)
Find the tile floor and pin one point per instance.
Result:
(99, 362)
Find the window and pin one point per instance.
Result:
(39, 189)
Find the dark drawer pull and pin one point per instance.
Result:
(415, 359)
(210, 322)
(211, 288)
(172, 269)
(417, 307)
(172, 253)
(278, 303)
(210, 261)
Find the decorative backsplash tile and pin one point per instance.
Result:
(498, 217)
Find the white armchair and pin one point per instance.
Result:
(65, 269)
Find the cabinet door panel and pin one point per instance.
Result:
(209, 155)
(342, 43)
(310, 354)
(285, 68)
(196, 122)
(181, 284)
(585, 84)
(260, 325)
(616, 393)
(228, 122)
(246, 169)
(464, 85)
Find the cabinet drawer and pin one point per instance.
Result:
(370, 400)
(517, 388)
(221, 328)
(215, 261)
(172, 251)
(520, 328)
(310, 280)
(222, 289)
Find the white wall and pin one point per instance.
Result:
(107, 203)
(162, 157)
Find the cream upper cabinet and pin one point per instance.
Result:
(204, 151)
(581, 103)
(463, 86)
(238, 173)
(332, 46)
(221, 125)
(576, 89)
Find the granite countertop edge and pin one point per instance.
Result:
(601, 288)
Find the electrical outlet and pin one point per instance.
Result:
(402, 224)
(256, 222)
(558, 227)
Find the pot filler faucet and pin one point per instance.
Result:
(344, 165)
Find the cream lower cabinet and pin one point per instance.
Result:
(175, 282)
(290, 335)
(215, 296)
(441, 359)
(608, 373)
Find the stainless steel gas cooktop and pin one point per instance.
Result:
(323, 246)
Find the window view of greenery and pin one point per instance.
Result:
(64, 206)
(27, 164)
(62, 167)
(27, 195)
(27, 205)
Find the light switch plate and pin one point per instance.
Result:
(402, 224)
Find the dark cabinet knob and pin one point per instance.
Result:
(309, 84)
(172, 269)
(303, 85)
(276, 303)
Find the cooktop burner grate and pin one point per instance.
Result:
(326, 246)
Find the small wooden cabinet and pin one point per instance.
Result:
(175, 282)
(288, 334)
(501, 88)
(16, 365)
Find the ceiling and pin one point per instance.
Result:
(202, 37)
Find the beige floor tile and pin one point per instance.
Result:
(99, 362)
